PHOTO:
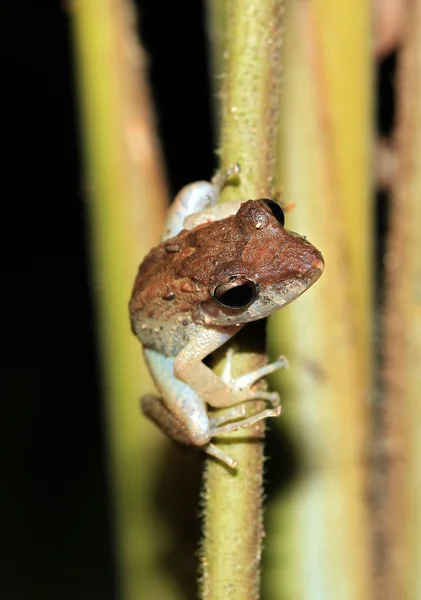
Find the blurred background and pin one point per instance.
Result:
(56, 535)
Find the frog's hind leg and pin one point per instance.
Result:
(156, 411)
(153, 408)
(180, 413)
(180, 407)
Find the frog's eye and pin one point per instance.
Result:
(236, 293)
(276, 210)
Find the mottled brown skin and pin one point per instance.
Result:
(235, 263)
(175, 282)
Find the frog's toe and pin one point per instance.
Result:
(226, 375)
(220, 179)
(272, 398)
(247, 380)
(229, 420)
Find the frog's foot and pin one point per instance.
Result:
(236, 416)
(242, 385)
(220, 455)
(225, 423)
(220, 424)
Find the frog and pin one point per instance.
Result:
(218, 267)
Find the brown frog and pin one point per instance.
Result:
(219, 267)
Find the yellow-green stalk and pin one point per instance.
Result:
(249, 108)
(319, 543)
(126, 197)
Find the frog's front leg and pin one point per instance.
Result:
(155, 409)
(220, 392)
(224, 391)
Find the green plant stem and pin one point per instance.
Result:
(233, 529)
(320, 538)
(126, 203)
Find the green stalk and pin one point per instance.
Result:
(320, 540)
(126, 202)
(233, 528)
(400, 524)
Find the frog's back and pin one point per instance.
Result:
(164, 297)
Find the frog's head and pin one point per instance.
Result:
(274, 268)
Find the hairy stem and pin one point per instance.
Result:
(249, 96)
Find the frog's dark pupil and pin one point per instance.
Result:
(237, 296)
(277, 211)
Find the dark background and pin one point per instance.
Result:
(55, 533)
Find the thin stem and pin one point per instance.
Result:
(233, 529)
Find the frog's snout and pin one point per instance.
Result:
(319, 264)
(317, 267)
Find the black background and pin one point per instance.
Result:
(55, 534)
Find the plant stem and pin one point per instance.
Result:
(321, 548)
(233, 528)
(126, 203)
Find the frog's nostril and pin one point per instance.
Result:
(319, 264)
